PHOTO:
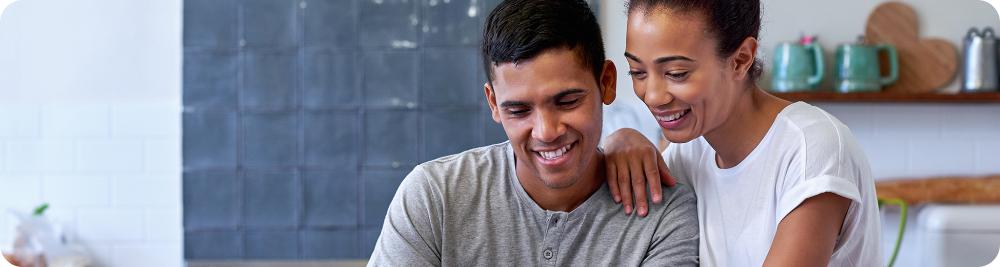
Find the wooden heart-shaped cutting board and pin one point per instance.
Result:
(925, 64)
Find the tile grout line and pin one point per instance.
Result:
(241, 129)
(359, 78)
(301, 13)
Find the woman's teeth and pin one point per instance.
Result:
(555, 153)
(673, 117)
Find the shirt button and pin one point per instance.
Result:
(547, 254)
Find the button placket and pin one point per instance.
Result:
(551, 240)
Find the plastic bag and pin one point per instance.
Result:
(40, 243)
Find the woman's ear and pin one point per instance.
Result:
(609, 79)
(743, 58)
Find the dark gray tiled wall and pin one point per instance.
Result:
(301, 117)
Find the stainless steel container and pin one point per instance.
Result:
(980, 72)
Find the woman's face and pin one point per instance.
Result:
(676, 71)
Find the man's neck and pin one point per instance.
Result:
(567, 198)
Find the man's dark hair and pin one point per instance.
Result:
(729, 21)
(518, 30)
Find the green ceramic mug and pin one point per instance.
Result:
(858, 68)
(796, 67)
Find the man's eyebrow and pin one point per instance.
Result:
(507, 104)
(660, 60)
(564, 93)
(567, 92)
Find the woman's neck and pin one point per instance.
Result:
(745, 127)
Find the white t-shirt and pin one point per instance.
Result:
(806, 152)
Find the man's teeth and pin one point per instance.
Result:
(673, 117)
(554, 153)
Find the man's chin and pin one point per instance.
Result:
(558, 181)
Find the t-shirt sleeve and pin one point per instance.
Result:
(410, 236)
(824, 164)
(672, 157)
(676, 239)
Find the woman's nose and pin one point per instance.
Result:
(657, 94)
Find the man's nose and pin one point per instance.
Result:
(547, 128)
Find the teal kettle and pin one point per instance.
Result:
(797, 67)
(858, 67)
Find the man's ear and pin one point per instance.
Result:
(609, 79)
(744, 57)
(492, 100)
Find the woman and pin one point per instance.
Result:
(778, 183)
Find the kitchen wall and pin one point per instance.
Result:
(90, 123)
(90, 117)
(900, 140)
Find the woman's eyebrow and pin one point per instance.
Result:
(659, 60)
(671, 58)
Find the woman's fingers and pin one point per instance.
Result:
(649, 164)
(611, 171)
(625, 185)
(639, 186)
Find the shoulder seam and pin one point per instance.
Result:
(840, 140)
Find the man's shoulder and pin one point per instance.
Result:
(461, 170)
(475, 160)
(484, 153)
(678, 199)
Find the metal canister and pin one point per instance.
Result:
(980, 62)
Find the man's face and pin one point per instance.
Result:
(550, 108)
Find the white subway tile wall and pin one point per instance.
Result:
(90, 122)
(117, 188)
(107, 155)
(988, 155)
(925, 140)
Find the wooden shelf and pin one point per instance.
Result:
(993, 97)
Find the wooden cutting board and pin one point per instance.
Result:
(925, 64)
(959, 190)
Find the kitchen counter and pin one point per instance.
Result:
(265, 263)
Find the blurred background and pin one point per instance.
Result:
(200, 132)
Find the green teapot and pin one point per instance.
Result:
(797, 67)
(858, 67)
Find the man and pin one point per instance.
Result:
(540, 198)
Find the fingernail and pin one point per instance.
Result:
(642, 211)
(657, 198)
(628, 209)
(618, 199)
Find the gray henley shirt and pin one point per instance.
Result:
(469, 209)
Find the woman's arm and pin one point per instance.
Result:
(632, 163)
(807, 235)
